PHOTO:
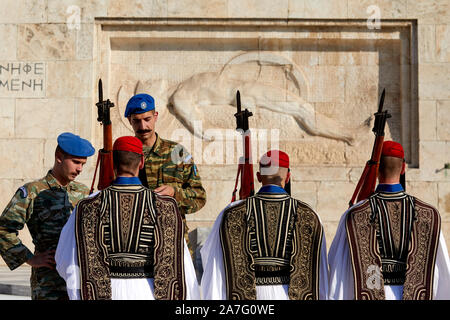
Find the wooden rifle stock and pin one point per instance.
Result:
(245, 167)
(105, 158)
(367, 182)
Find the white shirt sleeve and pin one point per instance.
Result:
(213, 286)
(441, 280)
(67, 260)
(323, 271)
(341, 273)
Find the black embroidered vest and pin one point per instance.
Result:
(394, 215)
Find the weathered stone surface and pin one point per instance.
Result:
(382, 9)
(304, 191)
(443, 43)
(257, 9)
(310, 153)
(44, 118)
(46, 42)
(85, 113)
(204, 8)
(25, 11)
(77, 11)
(8, 34)
(321, 9)
(433, 156)
(434, 81)
(428, 118)
(444, 201)
(429, 11)
(69, 79)
(218, 195)
(427, 43)
(443, 120)
(29, 156)
(7, 111)
(333, 198)
(85, 42)
(425, 191)
(138, 8)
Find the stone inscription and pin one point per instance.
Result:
(22, 79)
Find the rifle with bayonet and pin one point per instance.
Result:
(245, 167)
(105, 158)
(367, 182)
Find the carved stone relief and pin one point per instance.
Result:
(316, 94)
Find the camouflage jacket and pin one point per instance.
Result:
(181, 173)
(44, 206)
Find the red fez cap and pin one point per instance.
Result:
(128, 143)
(392, 149)
(275, 158)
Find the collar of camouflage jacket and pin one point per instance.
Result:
(156, 148)
(53, 183)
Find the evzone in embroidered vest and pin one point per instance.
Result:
(271, 239)
(127, 231)
(393, 240)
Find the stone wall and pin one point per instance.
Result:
(328, 57)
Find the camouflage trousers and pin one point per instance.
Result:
(46, 284)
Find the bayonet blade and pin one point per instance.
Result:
(238, 101)
(100, 90)
(380, 106)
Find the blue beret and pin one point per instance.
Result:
(74, 145)
(139, 103)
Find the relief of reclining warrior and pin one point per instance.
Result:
(190, 98)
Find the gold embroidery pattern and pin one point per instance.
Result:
(240, 280)
(395, 216)
(94, 272)
(272, 215)
(169, 248)
(422, 256)
(304, 282)
(361, 234)
(126, 214)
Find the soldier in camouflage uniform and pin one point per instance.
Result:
(44, 206)
(169, 169)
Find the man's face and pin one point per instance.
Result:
(143, 124)
(72, 166)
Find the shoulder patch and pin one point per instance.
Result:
(23, 192)
(187, 159)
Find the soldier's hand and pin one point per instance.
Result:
(43, 259)
(165, 190)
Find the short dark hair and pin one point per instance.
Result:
(59, 149)
(390, 167)
(126, 161)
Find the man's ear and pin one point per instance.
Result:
(142, 163)
(403, 166)
(59, 156)
(258, 176)
(288, 177)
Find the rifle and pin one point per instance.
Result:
(367, 181)
(105, 158)
(245, 167)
